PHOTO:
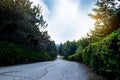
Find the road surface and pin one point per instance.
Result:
(50, 70)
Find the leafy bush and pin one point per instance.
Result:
(68, 48)
(11, 54)
(78, 55)
(104, 56)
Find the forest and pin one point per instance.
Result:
(23, 38)
(100, 50)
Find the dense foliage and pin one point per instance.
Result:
(81, 44)
(100, 50)
(107, 17)
(22, 23)
(103, 57)
(11, 54)
(68, 48)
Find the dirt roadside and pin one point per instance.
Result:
(91, 75)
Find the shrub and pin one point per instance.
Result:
(11, 54)
(104, 56)
(78, 55)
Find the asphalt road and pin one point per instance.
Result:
(50, 70)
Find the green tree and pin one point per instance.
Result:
(22, 24)
(106, 17)
(60, 51)
(69, 48)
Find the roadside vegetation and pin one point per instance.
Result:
(23, 37)
(100, 50)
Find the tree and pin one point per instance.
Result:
(22, 23)
(84, 41)
(60, 51)
(107, 18)
(69, 48)
(51, 48)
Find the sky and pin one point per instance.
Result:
(67, 19)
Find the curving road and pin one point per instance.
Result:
(51, 70)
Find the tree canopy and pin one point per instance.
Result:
(107, 17)
(22, 23)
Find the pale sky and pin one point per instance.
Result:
(67, 19)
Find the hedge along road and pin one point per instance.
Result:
(50, 70)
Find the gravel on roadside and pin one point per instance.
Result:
(91, 75)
